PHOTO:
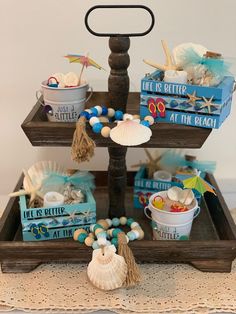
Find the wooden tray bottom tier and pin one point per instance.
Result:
(212, 246)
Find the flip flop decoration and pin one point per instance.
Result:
(160, 104)
(152, 107)
(156, 107)
(144, 198)
(39, 230)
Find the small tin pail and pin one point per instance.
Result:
(65, 103)
(171, 225)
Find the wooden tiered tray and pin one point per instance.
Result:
(212, 246)
(41, 132)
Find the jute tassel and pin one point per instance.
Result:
(133, 274)
(82, 148)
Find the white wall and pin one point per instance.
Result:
(36, 34)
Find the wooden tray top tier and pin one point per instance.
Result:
(212, 246)
(41, 132)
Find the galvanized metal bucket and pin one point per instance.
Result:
(171, 225)
(65, 104)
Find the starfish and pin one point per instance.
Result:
(72, 215)
(169, 60)
(192, 98)
(30, 189)
(151, 164)
(208, 104)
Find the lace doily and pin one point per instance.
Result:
(165, 288)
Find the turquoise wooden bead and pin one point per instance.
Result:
(95, 245)
(114, 241)
(131, 235)
(118, 115)
(145, 123)
(96, 227)
(115, 222)
(97, 127)
(129, 221)
(102, 234)
(82, 237)
(94, 110)
(115, 232)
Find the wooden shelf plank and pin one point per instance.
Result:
(41, 132)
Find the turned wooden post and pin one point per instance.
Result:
(118, 87)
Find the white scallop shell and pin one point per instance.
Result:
(174, 193)
(178, 51)
(40, 171)
(130, 133)
(71, 79)
(107, 270)
(59, 76)
(186, 197)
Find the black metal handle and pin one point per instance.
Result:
(119, 7)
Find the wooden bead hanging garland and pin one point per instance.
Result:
(130, 131)
(103, 239)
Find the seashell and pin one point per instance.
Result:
(130, 133)
(60, 77)
(71, 79)
(77, 196)
(174, 193)
(107, 270)
(179, 51)
(186, 197)
(40, 171)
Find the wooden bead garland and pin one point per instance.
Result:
(102, 231)
(93, 113)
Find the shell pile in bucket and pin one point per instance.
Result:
(177, 194)
(70, 79)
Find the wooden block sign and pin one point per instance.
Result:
(193, 105)
(39, 224)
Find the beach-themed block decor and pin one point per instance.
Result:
(144, 187)
(39, 224)
(186, 104)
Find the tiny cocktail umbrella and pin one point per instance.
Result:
(197, 183)
(84, 60)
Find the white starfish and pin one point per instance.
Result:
(31, 190)
(208, 104)
(72, 216)
(192, 98)
(170, 65)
